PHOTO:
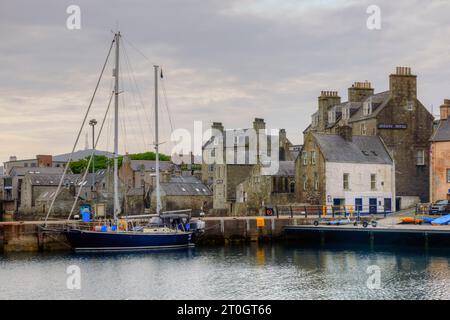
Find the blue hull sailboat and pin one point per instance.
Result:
(169, 231)
(95, 241)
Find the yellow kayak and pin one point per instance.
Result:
(411, 220)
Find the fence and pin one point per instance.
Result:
(326, 211)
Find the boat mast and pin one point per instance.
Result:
(116, 130)
(158, 198)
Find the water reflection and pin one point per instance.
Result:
(232, 272)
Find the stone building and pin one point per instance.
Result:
(230, 154)
(141, 173)
(12, 184)
(41, 161)
(345, 169)
(440, 156)
(397, 116)
(260, 189)
(40, 186)
(183, 192)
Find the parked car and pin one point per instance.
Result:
(440, 207)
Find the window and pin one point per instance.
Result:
(313, 157)
(211, 168)
(305, 158)
(367, 107)
(305, 183)
(420, 160)
(213, 152)
(316, 181)
(448, 175)
(346, 113)
(363, 129)
(410, 106)
(292, 187)
(346, 181)
(373, 181)
(331, 116)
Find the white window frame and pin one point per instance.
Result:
(373, 181)
(363, 129)
(420, 157)
(346, 181)
(305, 158)
(313, 157)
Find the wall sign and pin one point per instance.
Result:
(392, 126)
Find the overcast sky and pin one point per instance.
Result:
(228, 61)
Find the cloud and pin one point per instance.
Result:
(228, 61)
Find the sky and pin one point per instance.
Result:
(224, 61)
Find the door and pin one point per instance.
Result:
(358, 205)
(388, 205)
(398, 203)
(338, 205)
(373, 205)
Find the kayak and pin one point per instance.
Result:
(441, 220)
(412, 220)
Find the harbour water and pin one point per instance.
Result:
(232, 272)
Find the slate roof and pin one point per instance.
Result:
(185, 189)
(150, 165)
(379, 101)
(72, 179)
(81, 154)
(21, 171)
(52, 179)
(285, 169)
(185, 186)
(362, 149)
(184, 179)
(442, 132)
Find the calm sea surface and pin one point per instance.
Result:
(234, 272)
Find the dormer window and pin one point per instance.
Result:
(331, 116)
(367, 107)
(346, 113)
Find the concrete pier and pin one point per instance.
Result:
(405, 235)
(27, 236)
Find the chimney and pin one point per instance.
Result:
(345, 132)
(217, 126)
(327, 99)
(445, 109)
(44, 161)
(12, 158)
(403, 84)
(360, 91)
(259, 124)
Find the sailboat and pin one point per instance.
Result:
(163, 231)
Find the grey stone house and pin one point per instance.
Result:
(260, 189)
(183, 192)
(230, 155)
(397, 116)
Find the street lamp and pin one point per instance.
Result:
(92, 123)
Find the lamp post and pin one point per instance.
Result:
(92, 123)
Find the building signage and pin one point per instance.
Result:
(392, 126)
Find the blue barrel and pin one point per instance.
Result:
(86, 216)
